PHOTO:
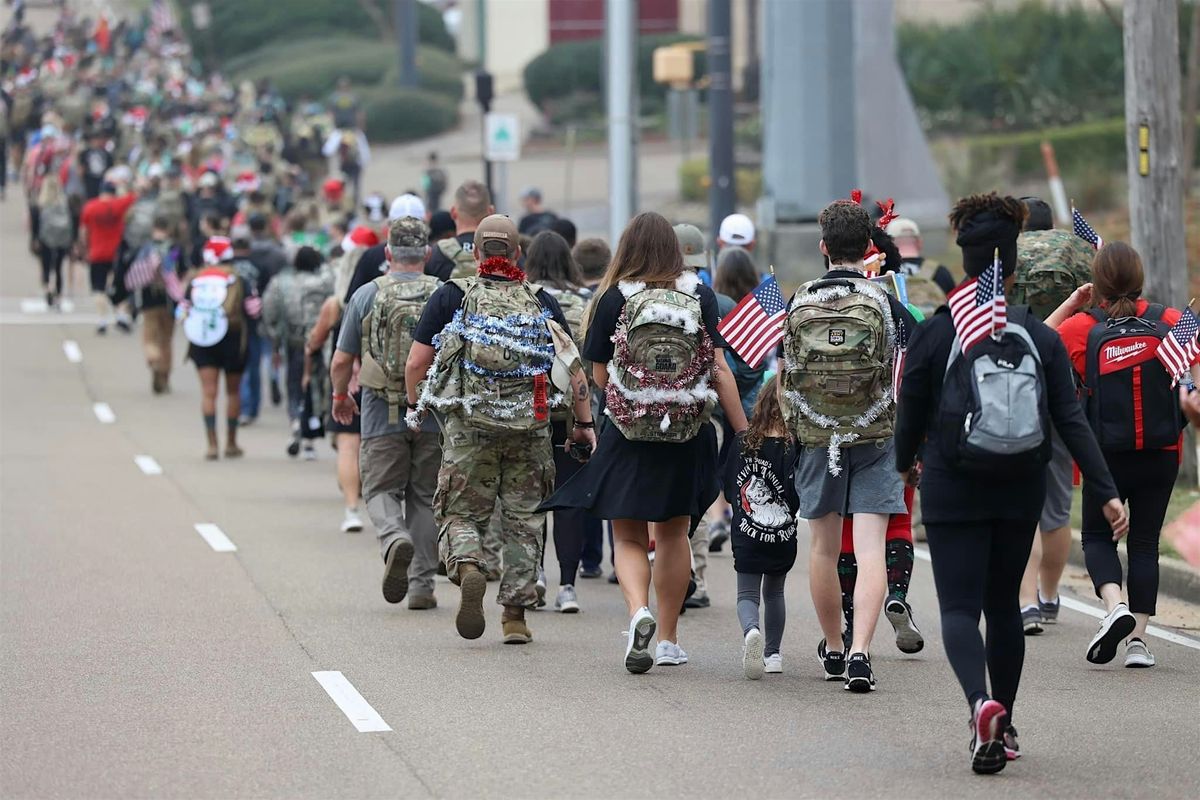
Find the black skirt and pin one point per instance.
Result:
(647, 481)
(228, 355)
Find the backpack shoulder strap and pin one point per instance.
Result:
(1098, 314)
(1154, 312)
(450, 247)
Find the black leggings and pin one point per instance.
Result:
(1144, 479)
(572, 526)
(977, 567)
(52, 261)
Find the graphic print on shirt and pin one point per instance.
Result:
(761, 495)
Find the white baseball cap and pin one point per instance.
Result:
(407, 205)
(736, 229)
(903, 227)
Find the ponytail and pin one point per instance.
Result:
(1118, 278)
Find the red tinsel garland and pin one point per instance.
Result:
(501, 267)
(625, 411)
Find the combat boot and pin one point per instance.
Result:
(470, 622)
(513, 623)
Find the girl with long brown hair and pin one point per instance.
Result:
(653, 343)
(1133, 410)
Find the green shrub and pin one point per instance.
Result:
(395, 114)
(576, 69)
(694, 182)
(1026, 67)
(313, 66)
(246, 24)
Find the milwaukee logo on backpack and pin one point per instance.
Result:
(1127, 391)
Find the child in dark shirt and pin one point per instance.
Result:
(759, 482)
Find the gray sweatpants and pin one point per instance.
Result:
(749, 587)
(399, 476)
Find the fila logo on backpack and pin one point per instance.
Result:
(993, 414)
(839, 343)
(1127, 391)
(660, 377)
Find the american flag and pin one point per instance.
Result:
(1179, 349)
(162, 17)
(977, 307)
(755, 326)
(1084, 231)
(143, 269)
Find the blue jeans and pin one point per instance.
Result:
(251, 389)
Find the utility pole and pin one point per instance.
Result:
(722, 196)
(1154, 160)
(405, 12)
(620, 40)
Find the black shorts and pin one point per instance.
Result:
(355, 426)
(98, 272)
(228, 355)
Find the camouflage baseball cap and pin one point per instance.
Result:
(691, 242)
(408, 237)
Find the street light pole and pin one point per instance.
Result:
(406, 35)
(722, 195)
(620, 36)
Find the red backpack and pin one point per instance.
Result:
(1127, 392)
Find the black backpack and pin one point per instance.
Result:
(993, 416)
(1127, 392)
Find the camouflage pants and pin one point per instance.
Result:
(480, 472)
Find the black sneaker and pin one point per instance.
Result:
(899, 613)
(1011, 749)
(276, 394)
(1031, 620)
(719, 535)
(395, 571)
(591, 572)
(1049, 609)
(613, 577)
(988, 753)
(834, 662)
(859, 677)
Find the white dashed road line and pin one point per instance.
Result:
(1084, 608)
(148, 465)
(360, 713)
(72, 352)
(33, 305)
(104, 413)
(215, 537)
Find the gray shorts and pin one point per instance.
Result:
(868, 483)
(1060, 476)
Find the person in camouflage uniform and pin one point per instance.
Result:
(489, 347)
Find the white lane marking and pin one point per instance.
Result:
(360, 713)
(72, 352)
(33, 305)
(104, 413)
(148, 465)
(215, 537)
(1084, 608)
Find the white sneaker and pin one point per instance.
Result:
(566, 602)
(310, 453)
(637, 650)
(1137, 654)
(773, 664)
(752, 654)
(351, 522)
(1114, 629)
(670, 654)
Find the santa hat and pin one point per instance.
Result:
(361, 236)
(246, 181)
(218, 250)
(333, 188)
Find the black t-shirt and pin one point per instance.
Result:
(598, 347)
(762, 491)
(536, 222)
(439, 265)
(439, 310)
(94, 162)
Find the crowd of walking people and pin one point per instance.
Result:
(490, 384)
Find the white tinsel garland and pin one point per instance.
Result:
(673, 316)
(826, 293)
(693, 395)
(630, 288)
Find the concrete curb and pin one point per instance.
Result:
(1175, 577)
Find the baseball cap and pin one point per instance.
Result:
(531, 191)
(691, 242)
(737, 229)
(407, 205)
(497, 236)
(209, 179)
(407, 237)
(903, 227)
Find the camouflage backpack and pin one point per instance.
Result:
(659, 387)
(838, 350)
(1050, 265)
(171, 205)
(464, 260)
(574, 303)
(387, 336)
(923, 291)
(302, 303)
(139, 222)
(494, 359)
